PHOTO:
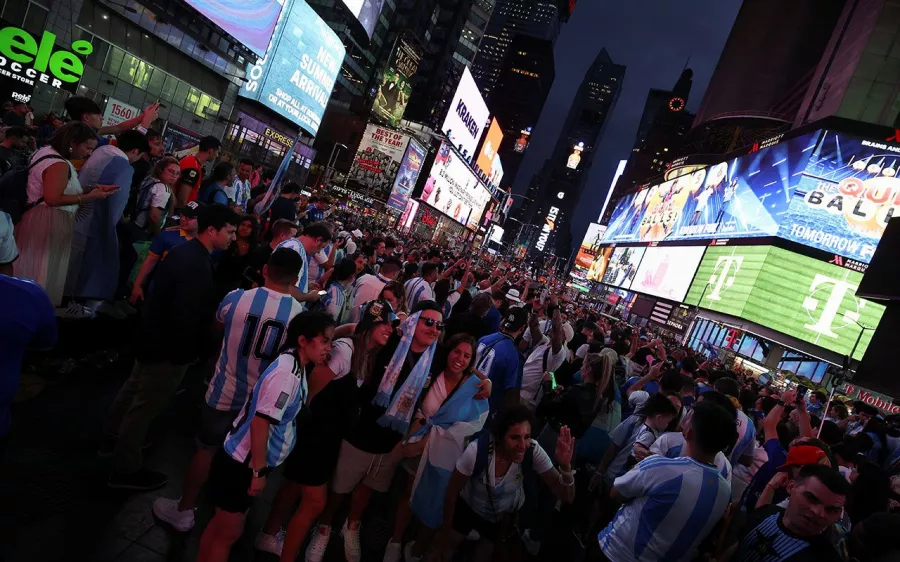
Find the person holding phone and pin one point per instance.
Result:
(54, 194)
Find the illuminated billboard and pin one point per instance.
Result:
(407, 176)
(846, 196)
(487, 156)
(667, 272)
(467, 116)
(592, 258)
(741, 198)
(453, 189)
(251, 22)
(396, 84)
(523, 141)
(574, 158)
(377, 161)
(622, 267)
(296, 76)
(366, 12)
(803, 297)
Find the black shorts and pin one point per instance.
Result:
(214, 427)
(229, 481)
(465, 519)
(312, 462)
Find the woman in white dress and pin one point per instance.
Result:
(44, 235)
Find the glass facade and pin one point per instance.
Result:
(708, 332)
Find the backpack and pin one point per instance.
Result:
(14, 189)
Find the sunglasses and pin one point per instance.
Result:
(430, 322)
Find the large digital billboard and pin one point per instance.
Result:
(487, 156)
(453, 189)
(846, 196)
(407, 176)
(667, 272)
(296, 76)
(803, 297)
(592, 258)
(377, 161)
(467, 116)
(622, 267)
(396, 83)
(367, 12)
(726, 278)
(252, 22)
(741, 198)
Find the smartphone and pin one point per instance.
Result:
(801, 392)
(552, 380)
(323, 293)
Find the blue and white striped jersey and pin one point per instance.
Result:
(671, 445)
(334, 302)
(624, 436)
(256, 323)
(417, 289)
(674, 504)
(745, 445)
(303, 279)
(278, 396)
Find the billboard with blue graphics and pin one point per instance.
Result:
(296, 76)
(740, 198)
(846, 195)
(251, 22)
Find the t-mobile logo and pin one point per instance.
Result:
(724, 275)
(837, 290)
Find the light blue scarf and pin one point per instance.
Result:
(400, 405)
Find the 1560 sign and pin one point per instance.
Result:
(25, 59)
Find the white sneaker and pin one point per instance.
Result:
(318, 543)
(74, 311)
(270, 543)
(167, 510)
(532, 546)
(393, 551)
(352, 551)
(407, 553)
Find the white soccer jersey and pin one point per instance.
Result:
(256, 324)
(303, 278)
(417, 289)
(746, 439)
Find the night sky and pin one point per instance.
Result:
(653, 39)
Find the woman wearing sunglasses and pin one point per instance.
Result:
(371, 449)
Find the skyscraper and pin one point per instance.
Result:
(764, 72)
(556, 188)
(538, 19)
(519, 97)
(661, 130)
(858, 77)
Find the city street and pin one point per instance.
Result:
(56, 505)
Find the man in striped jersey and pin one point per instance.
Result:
(309, 243)
(672, 504)
(420, 288)
(800, 532)
(255, 323)
(745, 444)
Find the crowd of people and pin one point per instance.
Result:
(509, 419)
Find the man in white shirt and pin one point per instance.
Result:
(546, 357)
(368, 287)
(239, 190)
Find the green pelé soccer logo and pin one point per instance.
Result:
(30, 60)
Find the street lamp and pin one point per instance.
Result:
(332, 159)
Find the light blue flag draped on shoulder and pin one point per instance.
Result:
(459, 418)
(275, 187)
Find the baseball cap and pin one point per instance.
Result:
(515, 319)
(356, 233)
(513, 295)
(191, 210)
(375, 312)
(801, 455)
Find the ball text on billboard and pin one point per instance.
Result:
(453, 189)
